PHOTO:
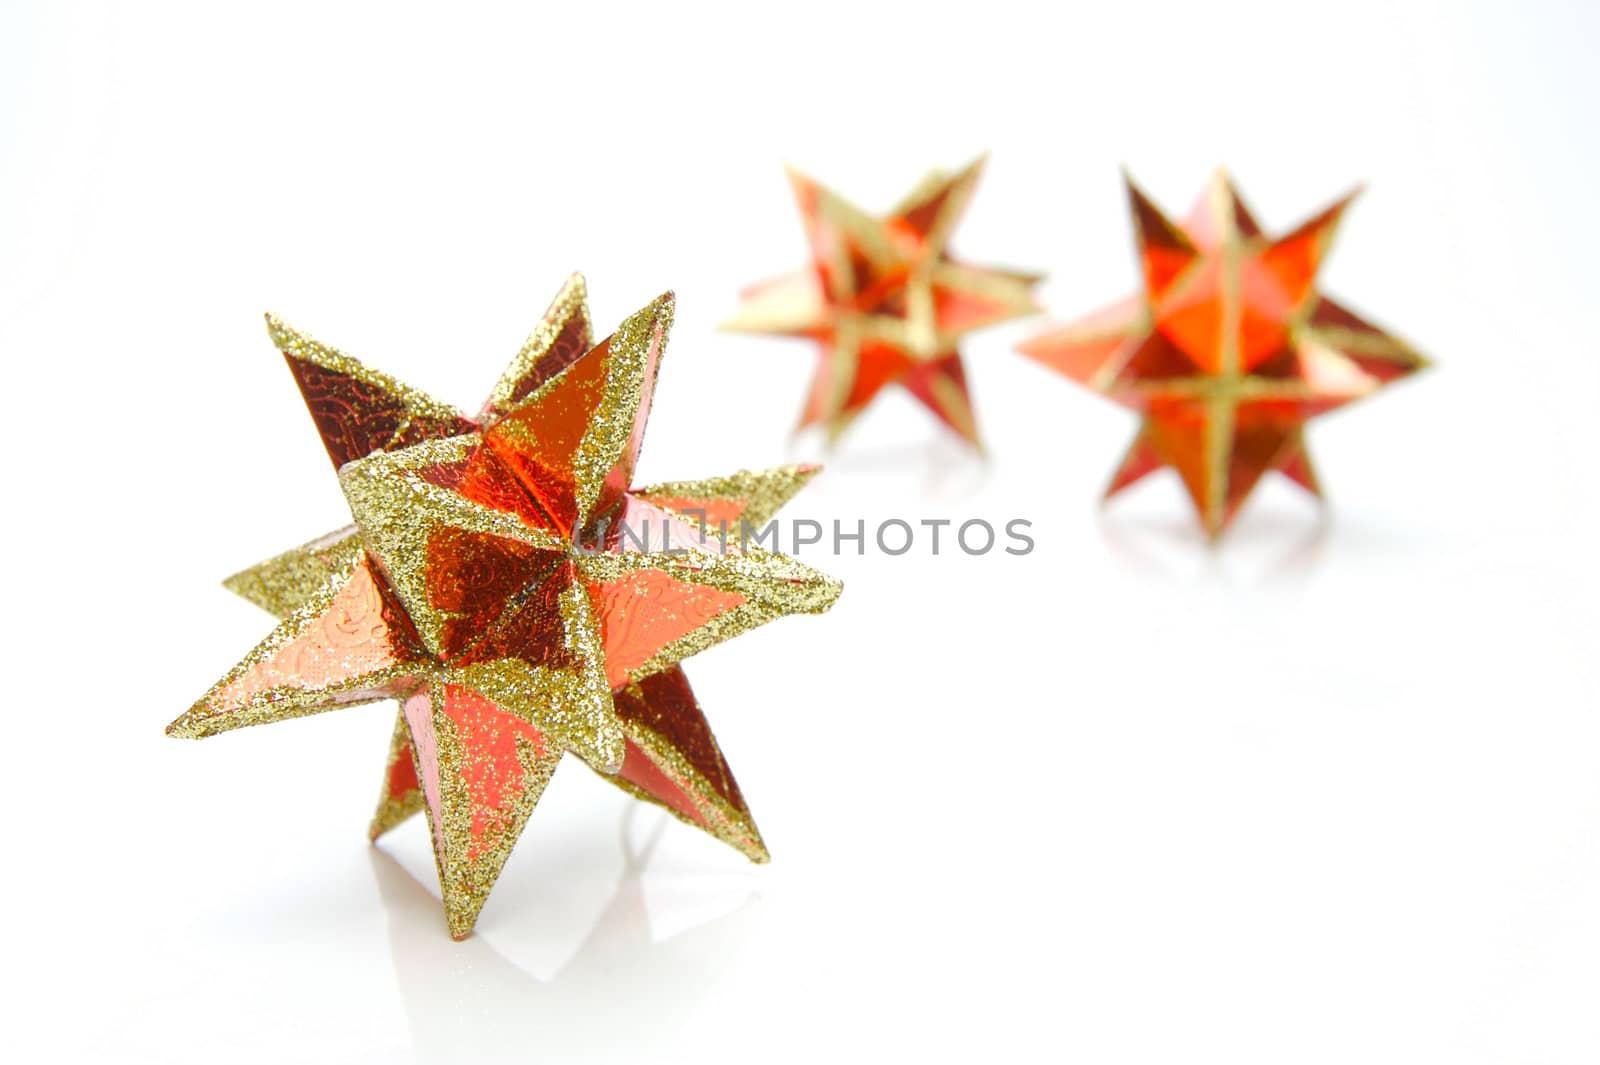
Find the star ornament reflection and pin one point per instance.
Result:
(1228, 351)
(885, 302)
(488, 585)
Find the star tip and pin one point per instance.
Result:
(1332, 216)
(278, 331)
(606, 758)
(183, 729)
(377, 828)
(1136, 194)
(798, 179)
(664, 304)
(829, 589)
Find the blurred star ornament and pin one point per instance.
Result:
(1228, 351)
(499, 582)
(885, 302)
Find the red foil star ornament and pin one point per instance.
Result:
(1228, 351)
(505, 584)
(886, 303)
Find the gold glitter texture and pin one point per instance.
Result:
(284, 582)
(751, 497)
(491, 584)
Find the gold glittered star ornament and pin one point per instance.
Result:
(1227, 352)
(510, 588)
(885, 302)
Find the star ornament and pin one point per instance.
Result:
(510, 589)
(1228, 351)
(885, 302)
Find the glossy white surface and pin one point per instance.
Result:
(1329, 793)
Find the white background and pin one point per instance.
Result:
(1328, 793)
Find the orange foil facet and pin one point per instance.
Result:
(507, 584)
(1227, 352)
(886, 303)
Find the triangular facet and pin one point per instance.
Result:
(941, 386)
(1294, 259)
(1164, 250)
(358, 410)
(674, 761)
(350, 643)
(482, 771)
(1140, 461)
(562, 337)
(401, 793)
(574, 442)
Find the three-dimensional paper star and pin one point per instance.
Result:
(1228, 351)
(504, 583)
(885, 302)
